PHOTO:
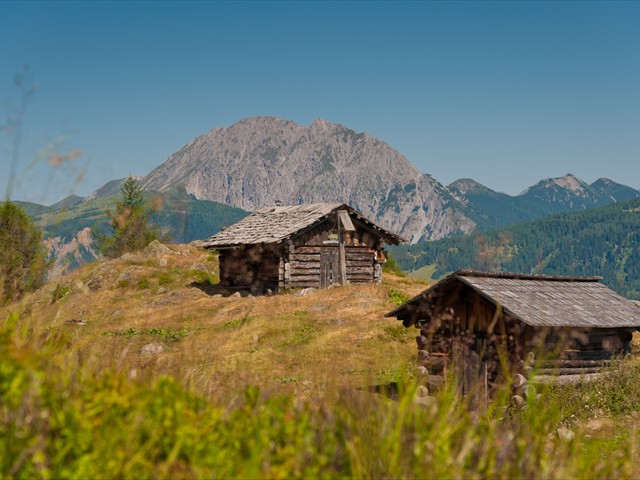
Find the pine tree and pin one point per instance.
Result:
(129, 222)
(23, 265)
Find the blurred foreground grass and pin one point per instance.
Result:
(62, 421)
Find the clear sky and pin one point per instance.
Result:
(506, 93)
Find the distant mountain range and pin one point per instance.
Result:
(490, 209)
(261, 160)
(258, 161)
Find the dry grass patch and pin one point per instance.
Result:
(305, 345)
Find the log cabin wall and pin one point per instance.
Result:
(462, 334)
(465, 333)
(312, 259)
(254, 267)
(577, 351)
(326, 233)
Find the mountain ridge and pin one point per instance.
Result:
(491, 209)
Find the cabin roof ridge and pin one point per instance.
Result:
(536, 300)
(527, 276)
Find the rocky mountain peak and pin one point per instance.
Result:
(570, 182)
(603, 181)
(467, 185)
(570, 193)
(259, 160)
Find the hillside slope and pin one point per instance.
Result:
(179, 217)
(155, 313)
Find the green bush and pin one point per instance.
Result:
(23, 264)
(398, 333)
(144, 284)
(397, 297)
(200, 276)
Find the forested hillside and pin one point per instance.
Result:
(603, 241)
(69, 226)
(180, 217)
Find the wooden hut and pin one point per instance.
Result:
(315, 245)
(475, 323)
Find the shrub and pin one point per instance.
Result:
(23, 265)
(200, 276)
(397, 297)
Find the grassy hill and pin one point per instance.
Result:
(603, 241)
(283, 343)
(138, 368)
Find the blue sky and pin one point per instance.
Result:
(506, 93)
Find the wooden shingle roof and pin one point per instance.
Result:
(537, 300)
(274, 224)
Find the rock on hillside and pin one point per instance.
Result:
(260, 160)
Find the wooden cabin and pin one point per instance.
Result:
(316, 245)
(475, 323)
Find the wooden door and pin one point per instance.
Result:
(470, 372)
(329, 267)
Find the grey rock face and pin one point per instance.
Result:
(260, 160)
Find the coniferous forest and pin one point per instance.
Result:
(603, 242)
